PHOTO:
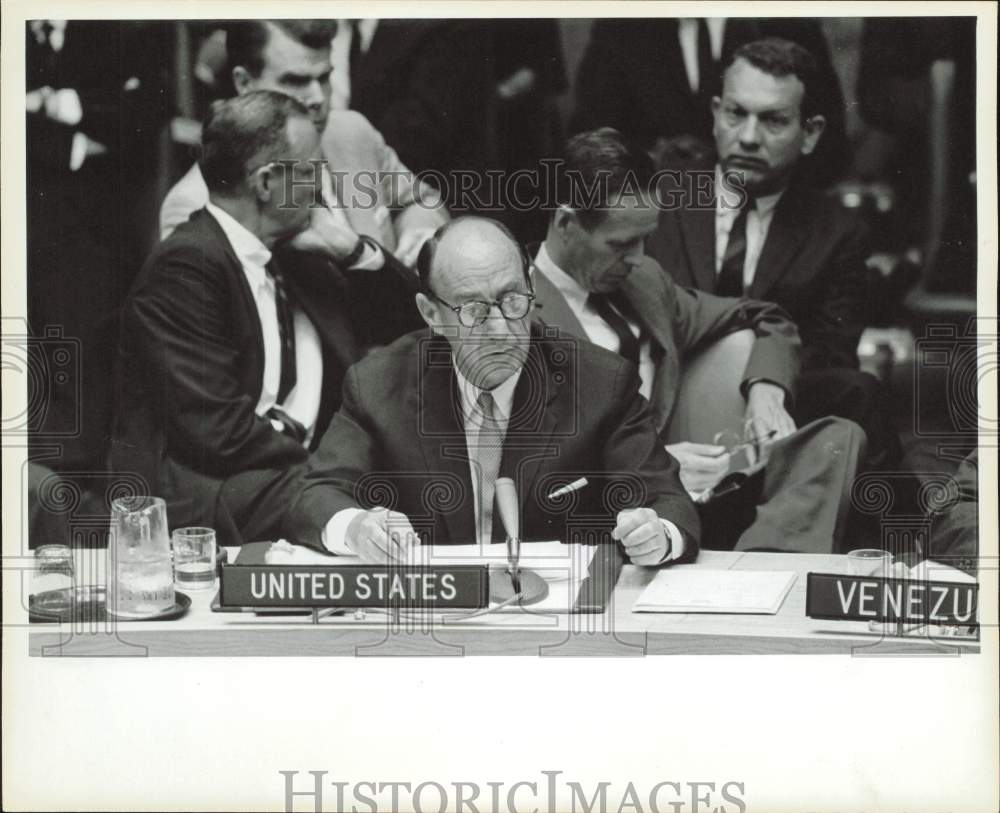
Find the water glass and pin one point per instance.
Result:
(194, 558)
(140, 576)
(52, 579)
(869, 562)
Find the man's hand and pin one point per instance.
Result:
(409, 245)
(702, 465)
(766, 412)
(381, 536)
(329, 231)
(643, 536)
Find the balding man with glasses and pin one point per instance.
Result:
(429, 423)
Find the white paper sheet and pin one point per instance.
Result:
(691, 590)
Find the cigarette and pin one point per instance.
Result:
(576, 485)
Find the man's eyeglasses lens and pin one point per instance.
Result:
(512, 306)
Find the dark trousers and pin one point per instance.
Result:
(799, 503)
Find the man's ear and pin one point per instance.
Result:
(565, 222)
(814, 128)
(428, 311)
(242, 80)
(263, 182)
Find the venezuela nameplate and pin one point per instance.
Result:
(456, 587)
(872, 598)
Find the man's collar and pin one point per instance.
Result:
(574, 293)
(764, 204)
(247, 246)
(503, 394)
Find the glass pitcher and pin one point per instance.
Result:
(140, 574)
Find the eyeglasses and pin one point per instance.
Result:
(513, 306)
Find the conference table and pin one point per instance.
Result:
(618, 631)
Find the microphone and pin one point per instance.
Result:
(526, 586)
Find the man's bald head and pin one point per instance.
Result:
(474, 259)
(463, 245)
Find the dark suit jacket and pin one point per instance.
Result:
(683, 322)
(954, 537)
(191, 362)
(812, 265)
(398, 441)
(424, 85)
(632, 78)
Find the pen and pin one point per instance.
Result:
(576, 485)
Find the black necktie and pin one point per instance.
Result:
(707, 67)
(355, 56)
(730, 281)
(286, 330)
(605, 305)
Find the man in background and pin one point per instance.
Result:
(762, 231)
(593, 281)
(377, 193)
(234, 346)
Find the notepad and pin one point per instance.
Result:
(695, 590)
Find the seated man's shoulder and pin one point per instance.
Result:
(827, 214)
(349, 128)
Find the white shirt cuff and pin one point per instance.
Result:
(335, 532)
(77, 151)
(676, 540)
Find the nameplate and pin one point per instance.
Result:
(456, 587)
(872, 598)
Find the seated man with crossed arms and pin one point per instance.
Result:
(428, 423)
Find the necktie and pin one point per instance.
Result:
(487, 454)
(706, 64)
(730, 281)
(355, 56)
(286, 330)
(605, 305)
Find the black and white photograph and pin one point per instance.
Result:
(482, 407)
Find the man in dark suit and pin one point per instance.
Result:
(429, 423)
(427, 86)
(654, 79)
(233, 351)
(592, 280)
(95, 105)
(751, 225)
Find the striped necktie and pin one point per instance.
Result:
(487, 454)
(286, 330)
(730, 281)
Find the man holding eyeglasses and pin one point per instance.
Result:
(765, 232)
(233, 345)
(429, 423)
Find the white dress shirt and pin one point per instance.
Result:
(302, 403)
(340, 59)
(601, 334)
(758, 223)
(335, 532)
(687, 33)
(598, 331)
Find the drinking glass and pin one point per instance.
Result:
(869, 562)
(52, 579)
(194, 558)
(140, 575)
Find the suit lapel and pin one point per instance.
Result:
(552, 309)
(441, 434)
(204, 220)
(698, 234)
(654, 312)
(784, 237)
(535, 413)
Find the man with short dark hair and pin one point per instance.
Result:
(430, 422)
(766, 234)
(592, 280)
(233, 346)
(373, 191)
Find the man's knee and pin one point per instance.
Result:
(837, 438)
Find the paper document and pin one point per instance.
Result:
(694, 590)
